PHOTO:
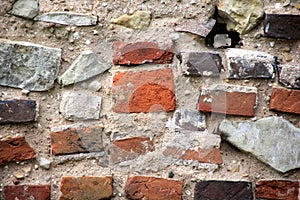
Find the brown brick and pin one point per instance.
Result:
(229, 99)
(140, 53)
(87, 188)
(26, 192)
(144, 91)
(17, 111)
(285, 100)
(277, 189)
(15, 149)
(77, 140)
(143, 187)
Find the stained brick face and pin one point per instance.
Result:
(26, 192)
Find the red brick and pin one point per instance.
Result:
(201, 155)
(87, 188)
(27, 192)
(130, 148)
(277, 189)
(227, 101)
(144, 91)
(142, 187)
(140, 53)
(77, 140)
(15, 149)
(285, 100)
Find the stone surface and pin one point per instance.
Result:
(222, 40)
(77, 140)
(187, 119)
(197, 27)
(17, 111)
(26, 8)
(44, 163)
(5, 6)
(285, 100)
(68, 18)
(86, 66)
(26, 192)
(144, 91)
(223, 190)
(143, 187)
(202, 64)
(138, 20)
(15, 149)
(289, 75)
(241, 15)
(87, 187)
(228, 99)
(275, 25)
(277, 189)
(242, 64)
(141, 53)
(273, 140)
(27, 65)
(80, 106)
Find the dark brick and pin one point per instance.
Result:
(27, 192)
(289, 75)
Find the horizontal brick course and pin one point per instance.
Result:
(27, 192)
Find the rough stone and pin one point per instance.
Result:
(26, 8)
(17, 111)
(144, 91)
(223, 190)
(87, 187)
(141, 53)
(289, 75)
(241, 15)
(77, 140)
(206, 64)
(72, 106)
(44, 163)
(285, 100)
(68, 18)
(222, 40)
(15, 149)
(244, 64)
(5, 6)
(197, 27)
(143, 187)
(273, 140)
(28, 66)
(275, 25)
(86, 66)
(277, 189)
(138, 20)
(228, 99)
(26, 192)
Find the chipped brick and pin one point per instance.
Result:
(144, 91)
(143, 187)
(26, 192)
(289, 75)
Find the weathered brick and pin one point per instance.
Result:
(223, 190)
(277, 189)
(285, 100)
(15, 149)
(140, 53)
(77, 140)
(289, 75)
(26, 192)
(143, 187)
(129, 148)
(144, 91)
(17, 111)
(87, 188)
(228, 99)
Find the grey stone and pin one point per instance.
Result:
(273, 140)
(68, 18)
(222, 40)
(86, 66)
(197, 27)
(244, 64)
(289, 75)
(80, 106)
(44, 163)
(28, 66)
(26, 8)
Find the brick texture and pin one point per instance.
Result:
(143, 187)
(26, 192)
(15, 149)
(144, 91)
(87, 188)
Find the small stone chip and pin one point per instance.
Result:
(138, 20)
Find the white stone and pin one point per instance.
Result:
(44, 163)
